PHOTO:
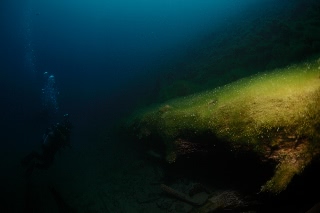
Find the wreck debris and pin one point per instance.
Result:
(178, 195)
(274, 116)
(224, 200)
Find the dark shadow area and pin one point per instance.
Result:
(215, 166)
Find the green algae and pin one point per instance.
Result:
(275, 115)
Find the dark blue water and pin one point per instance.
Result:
(97, 61)
(96, 50)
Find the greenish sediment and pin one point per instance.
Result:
(274, 114)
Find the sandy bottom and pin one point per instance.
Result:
(99, 178)
(106, 176)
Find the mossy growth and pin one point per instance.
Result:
(274, 114)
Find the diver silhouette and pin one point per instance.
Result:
(55, 138)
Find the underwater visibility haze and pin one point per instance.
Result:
(127, 106)
(96, 49)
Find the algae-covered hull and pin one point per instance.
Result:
(275, 115)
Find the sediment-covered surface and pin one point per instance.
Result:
(274, 115)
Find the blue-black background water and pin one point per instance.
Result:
(95, 50)
(102, 55)
(98, 60)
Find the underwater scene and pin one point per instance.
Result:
(181, 106)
